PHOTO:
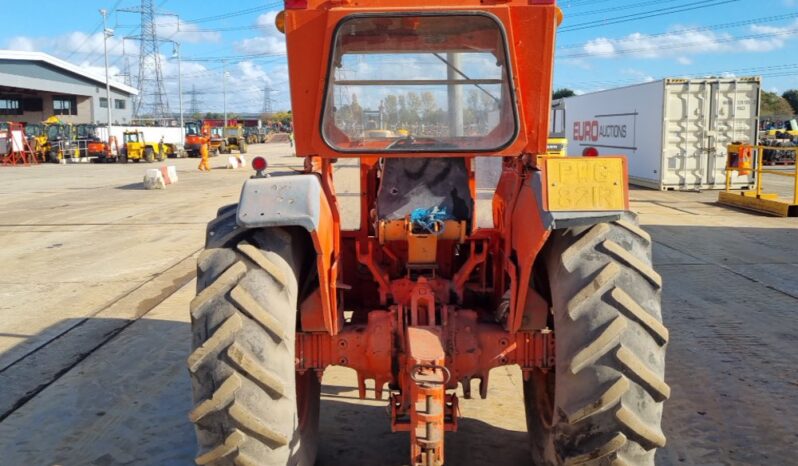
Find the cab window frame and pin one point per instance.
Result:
(508, 71)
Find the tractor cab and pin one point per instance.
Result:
(33, 130)
(193, 128)
(196, 136)
(60, 141)
(59, 132)
(461, 102)
(133, 137)
(85, 132)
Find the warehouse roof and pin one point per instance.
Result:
(64, 65)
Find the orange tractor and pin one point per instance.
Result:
(450, 271)
(197, 135)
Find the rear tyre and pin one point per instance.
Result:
(149, 155)
(603, 402)
(250, 405)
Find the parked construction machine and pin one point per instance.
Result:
(216, 142)
(234, 139)
(435, 286)
(136, 148)
(255, 135)
(197, 135)
(37, 139)
(85, 133)
(60, 143)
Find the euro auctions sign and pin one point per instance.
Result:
(612, 131)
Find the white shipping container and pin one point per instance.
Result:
(170, 134)
(674, 132)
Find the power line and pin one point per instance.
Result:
(579, 3)
(643, 15)
(267, 100)
(234, 58)
(734, 24)
(765, 71)
(618, 8)
(89, 36)
(231, 14)
(152, 99)
(193, 107)
(702, 42)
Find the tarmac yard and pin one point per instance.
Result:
(97, 274)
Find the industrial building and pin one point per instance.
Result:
(35, 86)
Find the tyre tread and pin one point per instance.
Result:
(610, 348)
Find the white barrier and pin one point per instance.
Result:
(236, 161)
(169, 174)
(153, 179)
(172, 173)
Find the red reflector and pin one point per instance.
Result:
(296, 4)
(259, 164)
(590, 152)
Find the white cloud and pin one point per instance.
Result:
(169, 27)
(577, 62)
(71, 43)
(24, 44)
(638, 75)
(266, 20)
(776, 40)
(99, 71)
(674, 43)
(267, 45)
(270, 41)
(682, 41)
(600, 46)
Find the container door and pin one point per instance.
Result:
(733, 119)
(686, 131)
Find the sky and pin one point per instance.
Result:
(601, 43)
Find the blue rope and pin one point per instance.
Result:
(426, 219)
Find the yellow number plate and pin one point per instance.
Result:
(585, 183)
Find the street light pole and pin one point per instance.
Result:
(180, 90)
(106, 34)
(224, 93)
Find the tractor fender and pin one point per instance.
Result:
(300, 200)
(281, 201)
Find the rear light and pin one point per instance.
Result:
(590, 152)
(259, 164)
(279, 21)
(296, 4)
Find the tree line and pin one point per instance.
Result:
(414, 110)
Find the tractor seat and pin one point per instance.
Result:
(424, 183)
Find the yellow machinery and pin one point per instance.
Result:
(740, 158)
(234, 139)
(216, 142)
(37, 139)
(557, 146)
(136, 148)
(56, 141)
